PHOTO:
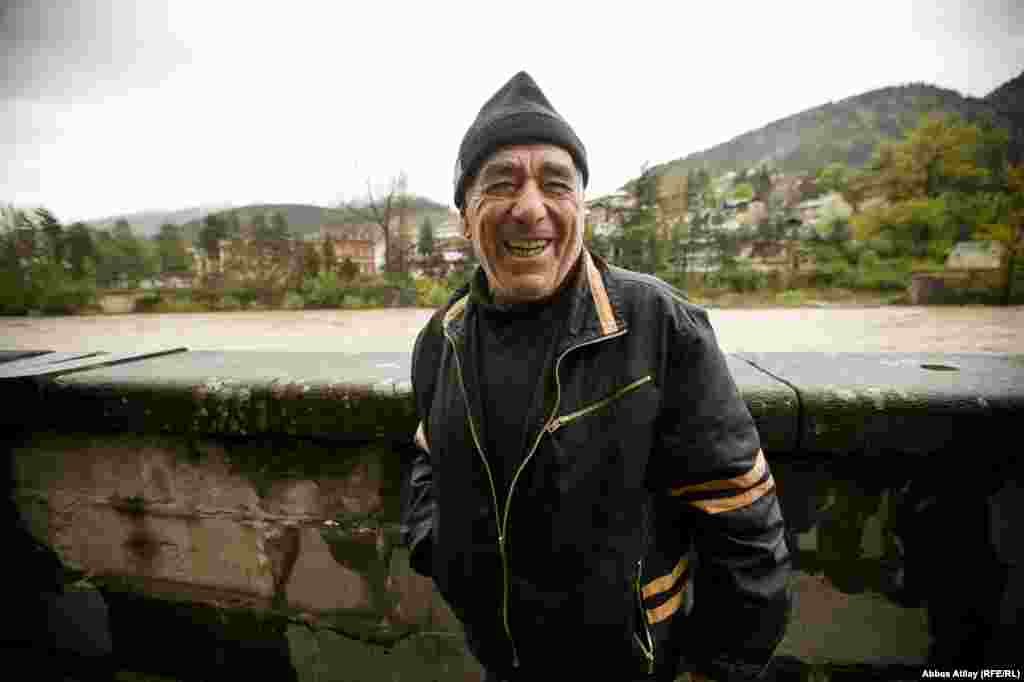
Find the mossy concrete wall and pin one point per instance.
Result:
(237, 512)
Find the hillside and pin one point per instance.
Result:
(849, 130)
(147, 223)
(303, 219)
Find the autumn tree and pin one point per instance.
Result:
(329, 258)
(387, 210)
(923, 180)
(310, 260)
(1010, 232)
(215, 228)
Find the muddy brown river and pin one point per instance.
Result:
(897, 328)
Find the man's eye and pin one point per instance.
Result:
(501, 187)
(558, 186)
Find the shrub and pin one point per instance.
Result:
(869, 259)
(207, 298)
(293, 301)
(148, 302)
(323, 291)
(791, 297)
(439, 296)
(739, 279)
(230, 302)
(352, 301)
(244, 295)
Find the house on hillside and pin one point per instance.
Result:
(361, 242)
(810, 211)
(607, 213)
(976, 255)
(791, 189)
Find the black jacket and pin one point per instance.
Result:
(650, 463)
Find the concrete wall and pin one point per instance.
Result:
(235, 513)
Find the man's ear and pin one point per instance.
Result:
(465, 223)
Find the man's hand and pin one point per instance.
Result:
(699, 677)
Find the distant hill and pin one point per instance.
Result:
(147, 223)
(303, 219)
(849, 130)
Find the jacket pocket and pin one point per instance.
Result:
(593, 407)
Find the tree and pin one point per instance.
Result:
(81, 249)
(1010, 232)
(425, 245)
(310, 260)
(937, 156)
(386, 210)
(215, 228)
(762, 183)
(329, 260)
(171, 250)
(348, 270)
(53, 232)
(278, 226)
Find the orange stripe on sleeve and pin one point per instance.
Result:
(746, 480)
(665, 582)
(744, 499)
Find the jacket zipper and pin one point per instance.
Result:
(490, 479)
(503, 525)
(648, 649)
(566, 418)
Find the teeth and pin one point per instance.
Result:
(525, 244)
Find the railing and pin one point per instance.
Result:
(204, 515)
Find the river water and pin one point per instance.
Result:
(895, 328)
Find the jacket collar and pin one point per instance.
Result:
(595, 311)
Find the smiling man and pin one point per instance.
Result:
(589, 494)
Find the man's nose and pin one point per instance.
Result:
(529, 207)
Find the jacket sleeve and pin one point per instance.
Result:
(418, 503)
(710, 473)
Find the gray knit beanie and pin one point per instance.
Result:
(518, 113)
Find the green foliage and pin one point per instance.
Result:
(293, 301)
(348, 270)
(425, 243)
(354, 301)
(53, 291)
(148, 302)
(230, 302)
(738, 278)
(171, 250)
(323, 291)
(743, 191)
(792, 297)
(432, 293)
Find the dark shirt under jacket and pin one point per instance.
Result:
(514, 358)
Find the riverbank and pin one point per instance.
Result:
(832, 328)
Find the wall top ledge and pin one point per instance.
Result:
(340, 396)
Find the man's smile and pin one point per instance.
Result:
(526, 248)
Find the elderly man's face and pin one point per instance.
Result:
(524, 215)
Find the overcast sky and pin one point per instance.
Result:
(115, 106)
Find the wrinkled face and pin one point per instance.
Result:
(524, 214)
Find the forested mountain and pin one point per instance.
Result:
(849, 130)
(303, 219)
(147, 223)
